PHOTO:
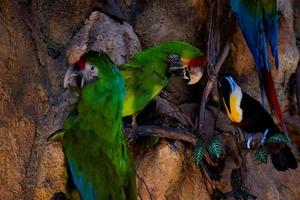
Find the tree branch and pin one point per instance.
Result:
(214, 61)
(210, 85)
(298, 87)
(157, 131)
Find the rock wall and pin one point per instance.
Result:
(37, 41)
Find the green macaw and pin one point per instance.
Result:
(94, 143)
(148, 72)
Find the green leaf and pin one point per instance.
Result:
(277, 139)
(262, 154)
(215, 147)
(199, 151)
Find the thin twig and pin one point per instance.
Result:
(158, 131)
(210, 187)
(298, 87)
(143, 181)
(210, 84)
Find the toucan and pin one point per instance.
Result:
(248, 114)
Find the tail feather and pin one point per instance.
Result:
(271, 95)
(284, 159)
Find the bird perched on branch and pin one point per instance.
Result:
(148, 72)
(94, 144)
(248, 114)
(258, 21)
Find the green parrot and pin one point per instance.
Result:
(94, 143)
(148, 72)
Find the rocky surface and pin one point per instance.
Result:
(38, 40)
(100, 32)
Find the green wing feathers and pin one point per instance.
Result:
(94, 143)
(146, 74)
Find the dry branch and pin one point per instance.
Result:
(162, 132)
(210, 85)
(298, 87)
(214, 61)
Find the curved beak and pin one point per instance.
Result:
(73, 80)
(195, 74)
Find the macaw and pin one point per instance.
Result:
(248, 114)
(258, 21)
(148, 72)
(94, 143)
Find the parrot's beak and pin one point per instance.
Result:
(195, 74)
(73, 80)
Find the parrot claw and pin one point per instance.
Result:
(132, 139)
(57, 136)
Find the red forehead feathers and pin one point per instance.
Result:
(81, 63)
(198, 62)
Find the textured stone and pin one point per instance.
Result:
(100, 32)
(160, 21)
(34, 38)
(156, 163)
(266, 183)
(169, 173)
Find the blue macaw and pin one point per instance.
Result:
(258, 21)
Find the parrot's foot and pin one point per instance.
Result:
(134, 122)
(132, 139)
(133, 136)
(57, 136)
(59, 196)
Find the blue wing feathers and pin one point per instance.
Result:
(259, 28)
(87, 191)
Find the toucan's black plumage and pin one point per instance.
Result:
(248, 114)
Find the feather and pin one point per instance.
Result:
(147, 73)
(94, 143)
(258, 21)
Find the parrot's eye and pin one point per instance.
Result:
(89, 74)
